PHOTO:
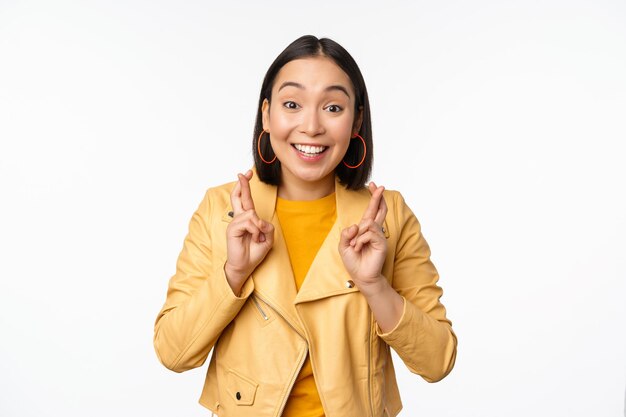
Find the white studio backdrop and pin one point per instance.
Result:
(501, 122)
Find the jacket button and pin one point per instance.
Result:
(349, 284)
(238, 395)
(231, 214)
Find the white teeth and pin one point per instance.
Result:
(311, 150)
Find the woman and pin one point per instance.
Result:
(298, 276)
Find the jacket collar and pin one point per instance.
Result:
(350, 204)
(273, 278)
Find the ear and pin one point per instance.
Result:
(358, 120)
(265, 112)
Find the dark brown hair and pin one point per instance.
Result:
(310, 46)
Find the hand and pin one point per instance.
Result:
(248, 238)
(363, 247)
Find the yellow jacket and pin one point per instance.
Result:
(261, 339)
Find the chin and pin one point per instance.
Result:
(312, 175)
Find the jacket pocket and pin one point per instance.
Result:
(240, 389)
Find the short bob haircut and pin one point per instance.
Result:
(310, 46)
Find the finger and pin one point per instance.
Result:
(382, 212)
(364, 227)
(261, 225)
(372, 207)
(369, 237)
(246, 226)
(248, 215)
(251, 214)
(267, 230)
(246, 195)
(347, 235)
(235, 198)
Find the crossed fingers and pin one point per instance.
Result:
(377, 208)
(241, 197)
(243, 208)
(371, 223)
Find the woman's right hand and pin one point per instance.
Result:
(248, 237)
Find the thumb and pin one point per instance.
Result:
(347, 235)
(268, 230)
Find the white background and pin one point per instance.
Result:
(502, 123)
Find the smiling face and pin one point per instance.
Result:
(310, 120)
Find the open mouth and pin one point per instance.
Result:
(309, 150)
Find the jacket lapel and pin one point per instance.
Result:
(273, 278)
(327, 276)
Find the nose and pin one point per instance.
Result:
(311, 123)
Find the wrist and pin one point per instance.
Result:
(235, 278)
(376, 288)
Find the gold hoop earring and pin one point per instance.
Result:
(259, 149)
(356, 135)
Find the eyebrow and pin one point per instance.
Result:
(329, 88)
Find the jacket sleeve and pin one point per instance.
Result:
(199, 303)
(423, 338)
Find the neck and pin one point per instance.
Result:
(296, 189)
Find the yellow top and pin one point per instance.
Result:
(305, 226)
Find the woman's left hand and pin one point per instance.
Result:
(363, 247)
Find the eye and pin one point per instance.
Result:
(290, 105)
(333, 108)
